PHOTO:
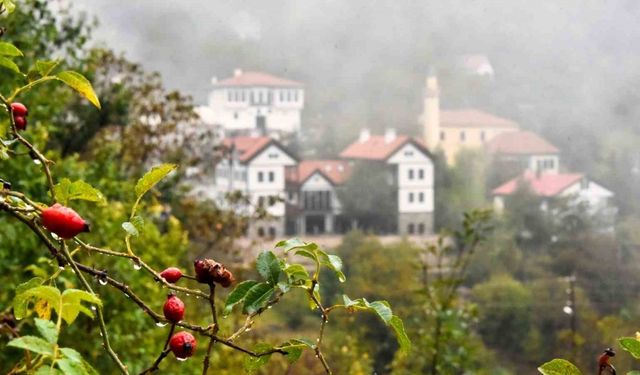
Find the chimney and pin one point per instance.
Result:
(389, 135)
(431, 115)
(365, 134)
(237, 72)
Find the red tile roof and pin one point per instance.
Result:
(247, 147)
(257, 79)
(473, 118)
(520, 143)
(336, 171)
(375, 148)
(544, 185)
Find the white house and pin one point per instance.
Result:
(255, 103)
(577, 187)
(313, 204)
(525, 151)
(412, 167)
(256, 166)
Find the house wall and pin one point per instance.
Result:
(454, 139)
(281, 108)
(545, 163)
(590, 192)
(415, 180)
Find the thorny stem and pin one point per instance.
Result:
(248, 323)
(214, 315)
(163, 353)
(325, 319)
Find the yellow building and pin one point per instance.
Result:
(454, 130)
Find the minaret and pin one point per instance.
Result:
(431, 115)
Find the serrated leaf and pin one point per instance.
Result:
(8, 49)
(46, 370)
(47, 329)
(33, 344)
(138, 221)
(293, 349)
(48, 294)
(20, 301)
(252, 363)
(72, 354)
(257, 297)
(5, 62)
(268, 266)
(383, 310)
(297, 274)
(401, 335)
(238, 295)
(78, 190)
(79, 83)
(296, 243)
(72, 304)
(334, 263)
(70, 367)
(44, 67)
(151, 178)
(632, 345)
(559, 367)
(130, 229)
(9, 5)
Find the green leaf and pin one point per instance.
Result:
(79, 83)
(78, 190)
(130, 229)
(296, 243)
(70, 367)
(297, 274)
(9, 5)
(257, 297)
(238, 295)
(72, 304)
(47, 294)
(401, 335)
(44, 67)
(71, 354)
(6, 63)
(559, 367)
(8, 49)
(294, 350)
(634, 372)
(46, 370)
(383, 310)
(334, 263)
(151, 178)
(632, 345)
(33, 344)
(47, 330)
(268, 266)
(252, 363)
(90, 370)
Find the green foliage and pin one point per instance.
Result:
(559, 367)
(67, 191)
(152, 177)
(631, 345)
(79, 83)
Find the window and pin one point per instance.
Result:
(410, 228)
(442, 137)
(421, 197)
(272, 232)
(261, 232)
(411, 174)
(421, 228)
(462, 136)
(260, 201)
(273, 155)
(420, 174)
(408, 153)
(235, 115)
(272, 176)
(281, 95)
(229, 96)
(260, 176)
(482, 136)
(410, 197)
(295, 95)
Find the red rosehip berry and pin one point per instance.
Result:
(171, 274)
(21, 122)
(173, 309)
(183, 344)
(63, 221)
(19, 110)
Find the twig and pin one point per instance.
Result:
(165, 351)
(325, 319)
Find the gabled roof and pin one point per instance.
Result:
(248, 79)
(335, 171)
(520, 143)
(376, 147)
(473, 118)
(543, 185)
(249, 147)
